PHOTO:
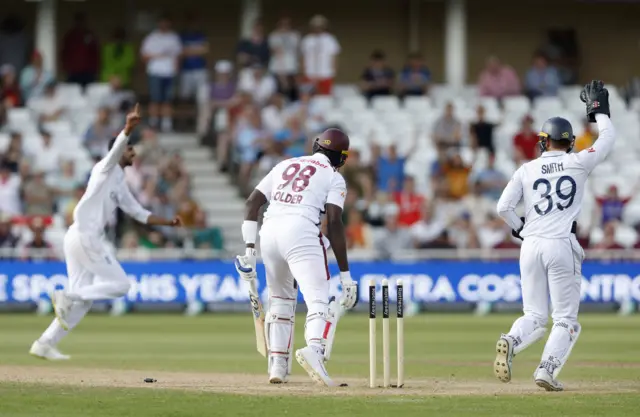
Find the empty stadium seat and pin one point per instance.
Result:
(352, 103)
(516, 105)
(385, 103)
(97, 92)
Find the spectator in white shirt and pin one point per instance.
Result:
(9, 191)
(273, 115)
(320, 51)
(47, 156)
(49, 107)
(284, 43)
(258, 83)
(161, 51)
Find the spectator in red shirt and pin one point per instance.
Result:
(409, 203)
(80, 53)
(525, 142)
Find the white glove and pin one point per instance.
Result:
(246, 265)
(349, 296)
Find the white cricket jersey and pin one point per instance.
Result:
(302, 187)
(553, 187)
(106, 191)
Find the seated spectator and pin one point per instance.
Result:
(47, 155)
(14, 153)
(292, 137)
(206, 237)
(507, 242)
(118, 101)
(498, 80)
(163, 206)
(38, 248)
(378, 209)
(8, 240)
(462, 233)
(10, 184)
(307, 109)
(38, 196)
(358, 175)
(249, 140)
(611, 205)
(541, 79)
(356, 231)
(415, 77)
(481, 132)
(256, 81)
(67, 211)
(10, 90)
(377, 78)
(153, 239)
(428, 229)
(490, 182)
(254, 48)
(492, 232)
(221, 95)
(97, 137)
(391, 239)
(409, 203)
(274, 115)
(587, 138)
(64, 184)
(456, 173)
(608, 241)
(447, 131)
(150, 153)
(34, 78)
(389, 168)
(49, 107)
(130, 240)
(525, 142)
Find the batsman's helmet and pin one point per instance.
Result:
(556, 129)
(333, 143)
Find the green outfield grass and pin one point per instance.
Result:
(447, 365)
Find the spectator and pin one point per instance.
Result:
(68, 210)
(380, 208)
(308, 110)
(507, 242)
(492, 232)
(150, 153)
(14, 42)
(447, 131)
(541, 79)
(9, 191)
(612, 205)
(64, 184)
(47, 156)
(237, 116)
(525, 143)
(38, 196)
(14, 153)
(490, 182)
(8, 240)
(162, 206)
(608, 241)
(463, 234)
(292, 137)
(409, 203)
(43, 249)
(356, 231)
(285, 43)
(389, 168)
(260, 84)
(428, 230)
(223, 87)
(587, 138)
(80, 53)
(50, 107)
(98, 135)
(456, 173)
(206, 237)
(34, 78)
(359, 176)
(498, 80)
(118, 100)
(187, 210)
(118, 58)
(248, 143)
(10, 90)
(320, 50)
(377, 78)
(194, 63)
(274, 115)
(391, 238)
(481, 132)
(415, 77)
(161, 50)
(254, 49)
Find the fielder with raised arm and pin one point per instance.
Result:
(299, 191)
(551, 257)
(93, 272)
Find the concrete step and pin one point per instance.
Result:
(179, 141)
(210, 181)
(223, 207)
(209, 168)
(201, 155)
(224, 195)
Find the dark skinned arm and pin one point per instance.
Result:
(336, 235)
(252, 208)
(154, 220)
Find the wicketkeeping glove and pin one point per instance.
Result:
(246, 265)
(516, 233)
(596, 97)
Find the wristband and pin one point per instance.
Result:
(249, 231)
(345, 276)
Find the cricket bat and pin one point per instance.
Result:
(258, 317)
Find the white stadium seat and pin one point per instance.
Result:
(352, 103)
(516, 105)
(385, 103)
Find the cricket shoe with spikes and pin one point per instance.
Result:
(312, 360)
(544, 376)
(46, 351)
(504, 358)
(278, 371)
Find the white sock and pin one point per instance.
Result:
(523, 327)
(100, 291)
(55, 332)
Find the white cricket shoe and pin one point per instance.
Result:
(278, 371)
(61, 306)
(504, 358)
(313, 362)
(46, 351)
(544, 379)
